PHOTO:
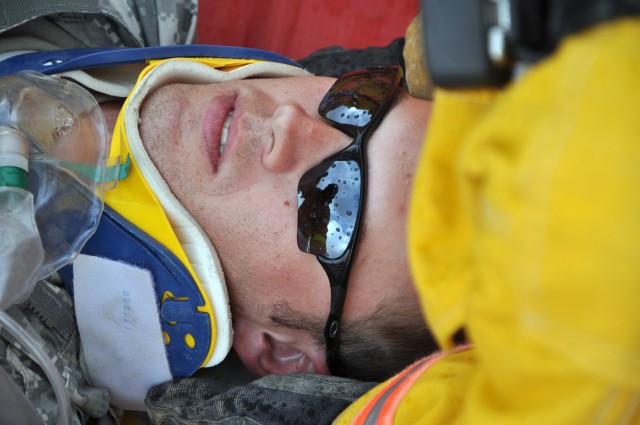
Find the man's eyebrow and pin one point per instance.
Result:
(283, 315)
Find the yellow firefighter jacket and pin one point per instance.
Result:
(525, 232)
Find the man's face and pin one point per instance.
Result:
(245, 198)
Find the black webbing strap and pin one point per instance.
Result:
(476, 43)
(540, 25)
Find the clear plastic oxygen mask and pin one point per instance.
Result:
(53, 149)
(68, 146)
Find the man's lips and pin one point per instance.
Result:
(213, 120)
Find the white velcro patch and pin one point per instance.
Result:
(120, 329)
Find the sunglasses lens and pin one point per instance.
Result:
(355, 98)
(328, 202)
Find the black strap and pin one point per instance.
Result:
(540, 25)
(570, 16)
(476, 43)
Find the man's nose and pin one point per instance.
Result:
(300, 140)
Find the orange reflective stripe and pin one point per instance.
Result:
(364, 413)
(381, 409)
(388, 410)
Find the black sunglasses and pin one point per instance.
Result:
(331, 195)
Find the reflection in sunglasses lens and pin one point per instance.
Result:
(328, 202)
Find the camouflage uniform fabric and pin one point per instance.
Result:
(47, 25)
(48, 316)
(273, 399)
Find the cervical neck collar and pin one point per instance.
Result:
(151, 300)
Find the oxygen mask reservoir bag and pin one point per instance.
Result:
(67, 143)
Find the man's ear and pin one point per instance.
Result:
(265, 353)
(284, 358)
